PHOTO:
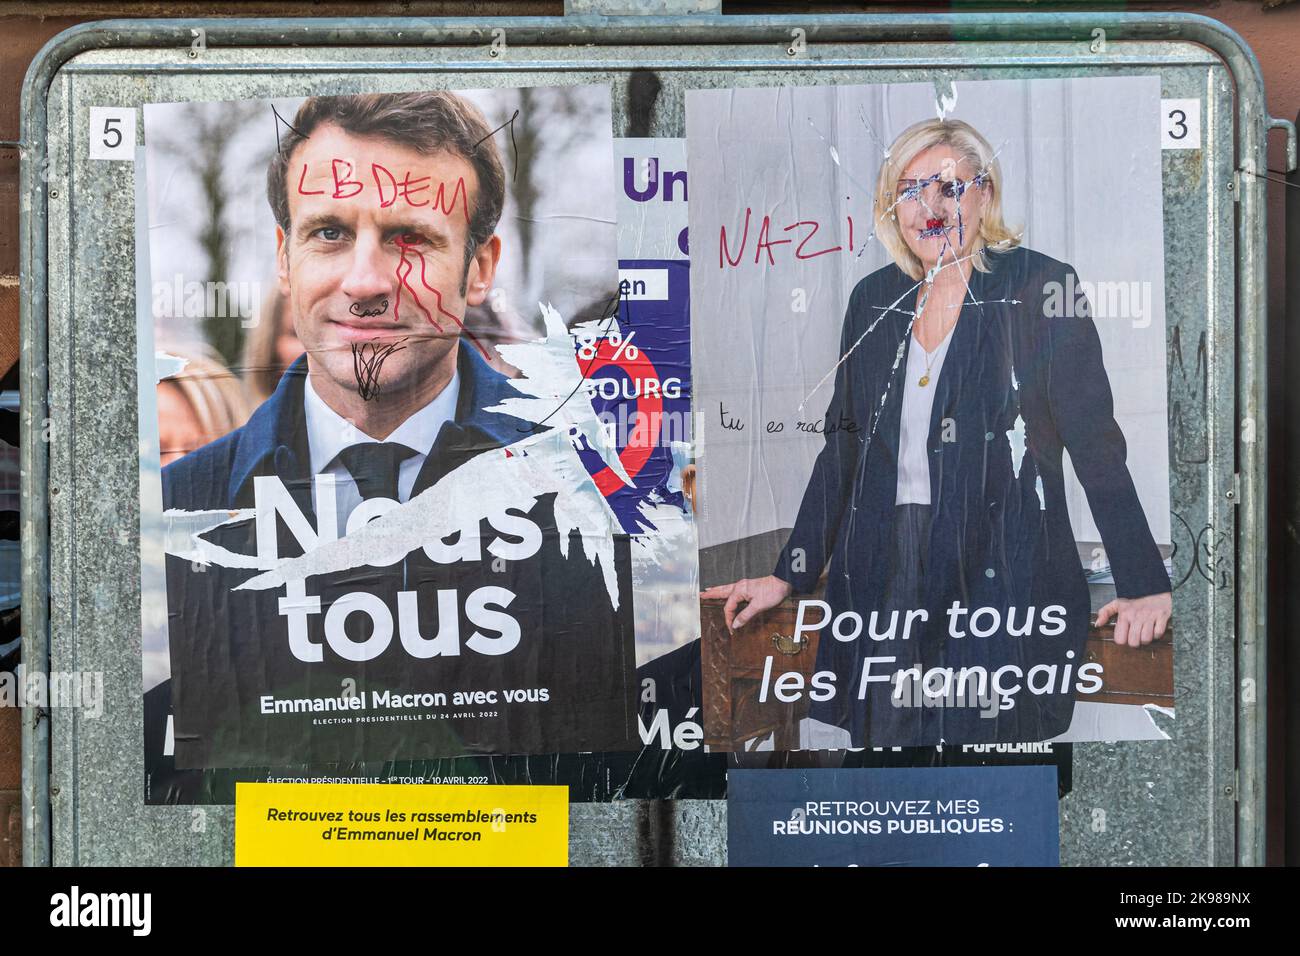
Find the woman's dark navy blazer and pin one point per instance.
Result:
(1000, 533)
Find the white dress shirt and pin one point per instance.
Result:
(914, 427)
(328, 433)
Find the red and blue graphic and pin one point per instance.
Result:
(637, 375)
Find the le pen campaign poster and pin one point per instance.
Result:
(929, 353)
(413, 485)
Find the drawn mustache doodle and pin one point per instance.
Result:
(363, 313)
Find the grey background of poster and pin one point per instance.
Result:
(649, 228)
(1080, 161)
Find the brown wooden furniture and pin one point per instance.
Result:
(732, 666)
(1133, 675)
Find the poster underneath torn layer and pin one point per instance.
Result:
(934, 477)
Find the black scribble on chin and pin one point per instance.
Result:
(367, 359)
(364, 313)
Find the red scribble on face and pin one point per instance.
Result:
(305, 192)
(344, 187)
(405, 189)
(458, 191)
(404, 269)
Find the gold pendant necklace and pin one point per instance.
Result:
(924, 380)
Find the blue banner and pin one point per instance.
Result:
(943, 816)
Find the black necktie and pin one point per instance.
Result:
(375, 465)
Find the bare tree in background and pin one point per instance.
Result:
(220, 173)
(549, 123)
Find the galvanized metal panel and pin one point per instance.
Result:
(1171, 802)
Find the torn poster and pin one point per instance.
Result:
(392, 524)
(934, 460)
(652, 326)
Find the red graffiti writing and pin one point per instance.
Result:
(388, 188)
(764, 243)
(410, 254)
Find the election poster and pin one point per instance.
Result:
(954, 816)
(634, 366)
(932, 398)
(388, 523)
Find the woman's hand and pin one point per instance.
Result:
(1138, 621)
(758, 595)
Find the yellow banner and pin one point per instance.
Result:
(372, 824)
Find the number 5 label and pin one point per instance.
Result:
(112, 132)
(1180, 124)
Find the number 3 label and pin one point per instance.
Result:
(112, 132)
(1180, 124)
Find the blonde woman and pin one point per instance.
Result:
(202, 402)
(949, 495)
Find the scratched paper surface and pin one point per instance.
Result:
(386, 493)
(933, 419)
(628, 389)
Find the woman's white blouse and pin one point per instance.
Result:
(914, 430)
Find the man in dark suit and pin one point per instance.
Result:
(490, 640)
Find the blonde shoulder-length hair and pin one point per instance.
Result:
(978, 155)
(213, 392)
(261, 361)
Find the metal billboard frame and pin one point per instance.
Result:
(755, 43)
